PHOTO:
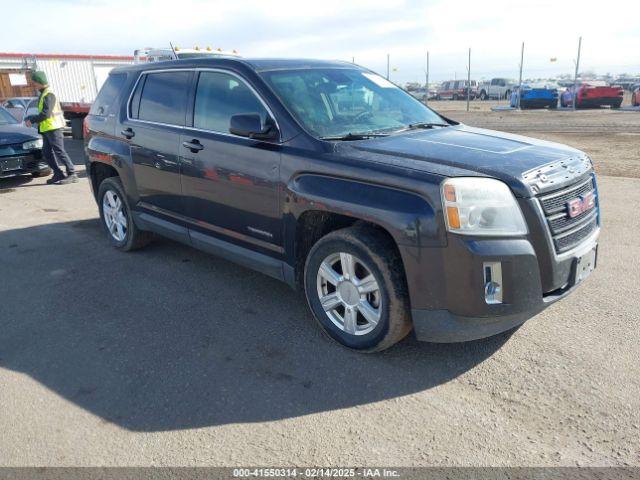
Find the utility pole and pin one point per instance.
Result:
(520, 80)
(427, 80)
(387, 66)
(469, 79)
(575, 77)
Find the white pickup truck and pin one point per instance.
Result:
(497, 88)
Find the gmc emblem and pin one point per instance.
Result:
(580, 205)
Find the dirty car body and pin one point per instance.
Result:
(250, 197)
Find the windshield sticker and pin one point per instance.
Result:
(378, 80)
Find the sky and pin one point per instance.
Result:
(365, 31)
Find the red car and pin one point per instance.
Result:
(635, 96)
(456, 90)
(593, 94)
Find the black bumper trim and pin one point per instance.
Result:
(441, 326)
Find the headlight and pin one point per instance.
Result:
(481, 206)
(32, 144)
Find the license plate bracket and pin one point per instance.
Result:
(584, 265)
(10, 164)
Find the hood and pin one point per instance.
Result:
(16, 133)
(466, 151)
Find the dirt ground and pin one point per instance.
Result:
(610, 137)
(171, 357)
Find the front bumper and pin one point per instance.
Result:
(458, 311)
(22, 164)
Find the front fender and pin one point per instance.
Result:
(410, 218)
(413, 220)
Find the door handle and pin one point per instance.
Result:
(194, 145)
(128, 133)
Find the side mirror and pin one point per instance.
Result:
(250, 125)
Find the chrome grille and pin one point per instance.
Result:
(557, 202)
(568, 232)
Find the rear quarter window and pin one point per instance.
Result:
(106, 100)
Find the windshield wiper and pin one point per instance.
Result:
(420, 126)
(416, 126)
(355, 136)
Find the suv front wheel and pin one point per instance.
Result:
(356, 289)
(116, 218)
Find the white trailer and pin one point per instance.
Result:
(75, 79)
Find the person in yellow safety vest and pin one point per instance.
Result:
(50, 122)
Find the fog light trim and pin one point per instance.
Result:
(492, 282)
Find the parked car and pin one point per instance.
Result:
(20, 149)
(497, 89)
(423, 94)
(329, 177)
(539, 95)
(31, 109)
(17, 102)
(635, 96)
(456, 90)
(593, 94)
(627, 83)
(17, 106)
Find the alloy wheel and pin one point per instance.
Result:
(114, 215)
(349, 293)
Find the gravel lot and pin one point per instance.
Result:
(168, 356)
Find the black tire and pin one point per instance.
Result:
(507, 94)
(483, 95)
(134, 238)
(553, 105)
(375, 252)
(455, 96)
(616, 105)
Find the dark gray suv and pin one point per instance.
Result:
(330, 178)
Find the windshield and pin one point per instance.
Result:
(6, 118)
(336, 102)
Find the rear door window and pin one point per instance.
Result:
(219, 96)
(106, 99)
(163, 98)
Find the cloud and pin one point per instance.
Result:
(339, 29)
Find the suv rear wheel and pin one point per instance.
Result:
(355, 286)
(116, 218)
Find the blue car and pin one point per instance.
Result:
(535, 96)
